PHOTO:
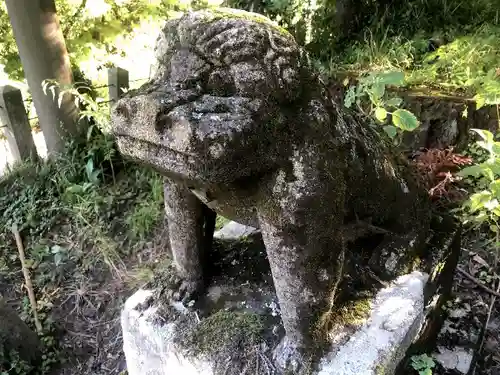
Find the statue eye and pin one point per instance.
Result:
(188, 84)
(220, 83)
(221, 108)
(122, 110)
(163, 122)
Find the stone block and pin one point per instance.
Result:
(234, 231)
(397, 312)
(399, 315)
(379, 345)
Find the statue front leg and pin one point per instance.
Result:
(305, 247)
(189, 233)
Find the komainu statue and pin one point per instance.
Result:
(240, 125)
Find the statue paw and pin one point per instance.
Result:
(288, 356)
(183, 290)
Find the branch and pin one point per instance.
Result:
(483, 330)
(29, 285)
(477, 282)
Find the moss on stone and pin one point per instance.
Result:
(220, 222)
(223, 334)
(348, 314)
(413, 263)
(353, 312)
(380, 370)
(436, 271)
(220, 13)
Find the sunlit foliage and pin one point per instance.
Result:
(101, 33)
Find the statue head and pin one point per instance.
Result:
(226, 92)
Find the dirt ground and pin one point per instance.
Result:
(473, 321)
(84, 304)
(92, 335)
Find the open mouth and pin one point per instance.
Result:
(148, 145)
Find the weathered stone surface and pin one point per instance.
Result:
(235, 231)
(147, 341)
(17, 338)
(379, 345)
(242, 283)
(458, 359)
(164, 337)
(239, 123)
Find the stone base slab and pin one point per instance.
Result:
(397, 313)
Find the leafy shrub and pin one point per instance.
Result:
(371, 97)
(423, 364)
(483, 206)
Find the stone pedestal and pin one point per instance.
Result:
(148, 342)
(379, 344)
(220, 334)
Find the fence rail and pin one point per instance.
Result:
(15, 123)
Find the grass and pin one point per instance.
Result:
(146, 213)
(83, 218)
(220, 222)
(462, 62)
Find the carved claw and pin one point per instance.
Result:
(288, 356)
(182, 290)
(186, 291)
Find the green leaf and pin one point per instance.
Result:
(471, 171)
(392, 78)
(391, 131)
(53, 91)
(376, 92)
(478, 200)
(60, 99)
(58, 257)
(495, 188)
(89, 168)
(394, 102)
(350, 97)
(75, 189)
(56, 249)
(491, 205)
(381, 114)
(89, 132)
(405, 120)
(495, 148)
(486, 135)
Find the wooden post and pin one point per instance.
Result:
(15, 123)
(118, 81)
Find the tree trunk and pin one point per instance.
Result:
(43, 53)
